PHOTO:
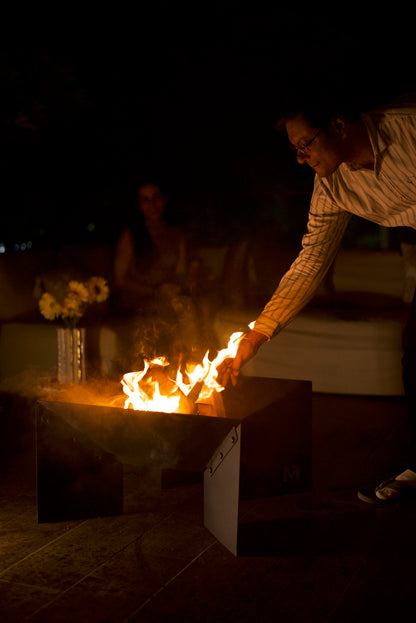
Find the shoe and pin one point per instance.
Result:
(369, 495)
(390, 491)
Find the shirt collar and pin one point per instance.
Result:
(379, 140)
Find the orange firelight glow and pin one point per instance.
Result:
(144, 393)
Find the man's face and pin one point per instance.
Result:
(323, 154)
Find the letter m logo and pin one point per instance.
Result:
(291, 472)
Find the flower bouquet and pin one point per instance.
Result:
(69, 306)
(78, 296)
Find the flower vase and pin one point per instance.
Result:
(71, 355)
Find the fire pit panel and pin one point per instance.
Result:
(75, 477)
(268, 454)
(144, 438)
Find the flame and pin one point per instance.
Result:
(144, 393)
(139, 396)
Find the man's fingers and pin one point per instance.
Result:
(247, 348)
(225, 372)
(234, 377)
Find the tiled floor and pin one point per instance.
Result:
(323, 556)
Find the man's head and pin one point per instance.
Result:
(322, 148)
(322, 133)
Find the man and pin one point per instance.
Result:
(365, 164)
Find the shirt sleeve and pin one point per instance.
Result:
(326, 226)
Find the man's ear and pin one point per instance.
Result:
(339, 126)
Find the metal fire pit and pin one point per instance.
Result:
(264, 439)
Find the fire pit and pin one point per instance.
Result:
(81, 448)
(248, 441)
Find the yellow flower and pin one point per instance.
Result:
(49, 306)
(78, 296)
(98, 289)
(72, 306)
(79, 290)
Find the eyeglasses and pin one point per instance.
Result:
(304, 149)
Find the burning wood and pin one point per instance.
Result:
(152, 389)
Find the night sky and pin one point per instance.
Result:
(187, 95)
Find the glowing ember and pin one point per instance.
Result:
(151, 389)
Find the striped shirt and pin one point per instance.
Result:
(385, 195)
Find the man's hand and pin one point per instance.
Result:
(248, 347)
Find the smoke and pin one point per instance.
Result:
(100, 391)
(158, 336)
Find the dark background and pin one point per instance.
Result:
(187, 94)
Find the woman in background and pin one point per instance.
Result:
(152, 278)
(149, 253)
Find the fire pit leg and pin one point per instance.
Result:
(268, 454)
(221, 491)
(75, 478)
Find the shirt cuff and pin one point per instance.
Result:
(267, 326)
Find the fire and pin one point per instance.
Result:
(151, 389)
(146, 396)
